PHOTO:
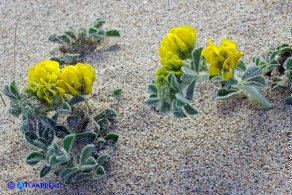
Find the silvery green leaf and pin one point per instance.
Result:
(34, 157)
(230, 83)
(68, 142)
(152, 88)
(61, 131)
(288, 73)
(257, 95)
(102, 158)
(288, 100)
(241, 67)
(86, 137)
(112, 136)
(226, 93)
(288, 64)
(190, 90)
(276, 78)
(98, 22)
(14, 89)
(49, 123)
(279, 85)
(45, 170)
(54, 38)
(76, 99)
(85, 153)
(89, 164)
(152, 101)
(92, 30)
(15, 110)
(70, 32)
(258, 80)
(100, 141)
(93, 126)
(66, 109)
(180, 100)
(65, 39)
(112, 33)
(73, 122)
(173, 82)
(117, 91)
(196, 57)
(250, 72)
(68, 171)
(188, 74)
(48, 135)
(190, 110)
(100, 170)
(177, 112)
(107, 113)
(104, 124)
(272, 55)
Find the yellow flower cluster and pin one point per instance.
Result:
(174, 48)
(180, 41)
(48, 81)
(77, 79)
(222, 58)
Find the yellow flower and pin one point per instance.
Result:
(172, 62)
(77, 79)
(42, 80)
(222, 58)
(179, 41)
(160, 75)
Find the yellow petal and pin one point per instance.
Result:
(185, 36)
(207, 53)
(227, 75)
(88, 71)
(39, 93)
(51, 66)
(72, 90)
(88, 85)
(40, 72)
(52, 92)
(61, 90)
(214, 70)
(182, 46)
(48, 100)
(228, 63)
(190, 29)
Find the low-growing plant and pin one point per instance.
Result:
(74, 45)
(57, 120)
(117, 91)
(277, 65)
(184, 66)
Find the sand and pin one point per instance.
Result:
(232, 147)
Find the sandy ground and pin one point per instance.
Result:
(232, 147)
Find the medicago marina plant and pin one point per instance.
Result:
(183, 66)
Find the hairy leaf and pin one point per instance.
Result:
(85, 153)
(73, 122)
(86, 137)
(45, 170)
(68, 142)
(34, 157)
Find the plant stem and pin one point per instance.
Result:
(3, 100)
(257, 95)
(87, 105)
